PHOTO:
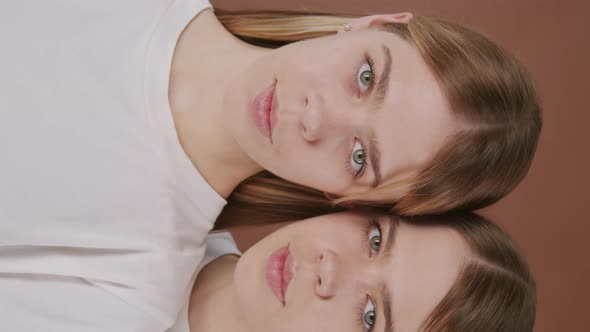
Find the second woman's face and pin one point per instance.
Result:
(346, 272)
(342, 113)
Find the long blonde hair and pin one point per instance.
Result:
(487, 88)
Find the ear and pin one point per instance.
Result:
(376, 21)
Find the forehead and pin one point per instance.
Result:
(415, 120)
(425, 263)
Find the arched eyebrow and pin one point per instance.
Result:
(386, 294)
(383, 84)
(375, 156)
(382, 87)
(392, 231)
(385, 291)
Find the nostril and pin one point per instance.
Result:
(303, 131)
(305, 101)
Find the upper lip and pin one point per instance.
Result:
(272, 114)
(288, 270)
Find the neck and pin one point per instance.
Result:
(207, 57)
(212, 308)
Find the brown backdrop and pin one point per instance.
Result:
(545, 214)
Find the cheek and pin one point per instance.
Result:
(245, 282)
(320, 166)
(316, 176)
(317, 67)
(322, 317)
(310, 314)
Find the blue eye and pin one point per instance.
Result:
(369, 315)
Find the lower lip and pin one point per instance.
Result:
(262, 108)
(279, 272)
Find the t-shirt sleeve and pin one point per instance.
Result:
(219, 244)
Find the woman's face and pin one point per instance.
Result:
(347, 272)
(342, 113)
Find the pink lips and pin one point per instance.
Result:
(279, 272)
(262, 107)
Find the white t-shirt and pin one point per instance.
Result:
(218, 244)
(103, 218)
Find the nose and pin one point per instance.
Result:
(341, 274)
(327, 274)
(320, 118)
(310, 124)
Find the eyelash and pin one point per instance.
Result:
(361, 171)
(371, 62)
(366, 232)
(360, 315)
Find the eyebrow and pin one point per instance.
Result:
(382, 87)
(375, 156)
(393, 223)
(386, 294)
(383, 84)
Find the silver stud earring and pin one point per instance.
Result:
(347, 27)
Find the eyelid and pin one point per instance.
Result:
(356, 174)
(371, 225)
(366, 163)
(377, 225)
(361, 315)
(369, 60)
